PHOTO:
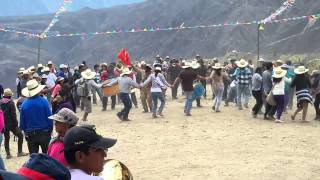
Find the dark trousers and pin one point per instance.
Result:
(316, 105)
(259, 101)
(134, 99)
(204, 84)
(105, 102)
(225, 91)
(38, 139)
(174, 91)
(17, 132)
(125, 98)
(280, 105)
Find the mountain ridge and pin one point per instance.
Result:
(209, 42)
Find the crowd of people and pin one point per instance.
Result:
(49, 97)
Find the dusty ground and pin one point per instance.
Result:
(228, 145)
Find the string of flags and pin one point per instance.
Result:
(285, 6)
(157, 29)
(55, 19)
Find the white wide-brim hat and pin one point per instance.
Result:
(45, 69)
(125, 71)
(242, 63)
(33, 88)
(217, 66)
(195, 65)
(88, 74)
(279, 73)
(186, 65)
(300, 70)
(158, 69)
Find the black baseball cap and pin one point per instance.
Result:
(80, 136)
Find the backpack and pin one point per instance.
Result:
(83, 89)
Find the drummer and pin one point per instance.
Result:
(85, 151)
(187, 77)
(125, 85)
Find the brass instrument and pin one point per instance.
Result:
(115, 170)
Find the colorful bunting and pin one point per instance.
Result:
(285, 6)
(55, 19)
(158, 29)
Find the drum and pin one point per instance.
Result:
(110, 91)
(115, 170)
(198, 91)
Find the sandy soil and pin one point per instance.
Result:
(208, 145)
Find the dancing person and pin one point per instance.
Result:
(278, 91)
(243, 76)
(125, 85)
(217, 77)
(159, 84)
(302, 84)
(257, 91)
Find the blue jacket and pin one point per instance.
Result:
(34, 115)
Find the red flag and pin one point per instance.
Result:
(124, 57)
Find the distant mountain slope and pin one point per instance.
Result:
(21, 51)
(36, 7)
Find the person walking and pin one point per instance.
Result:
(217, 77)
(125, 85)
(302, 84)
(34, 118)
(159, 84)
(257, 91)
(11, 123)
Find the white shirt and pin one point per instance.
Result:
(51, 80)
(77, 174)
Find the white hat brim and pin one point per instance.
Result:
(296, 71)
(25, 92)
(88, 77)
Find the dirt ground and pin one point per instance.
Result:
(208, 145)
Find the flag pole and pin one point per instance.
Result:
(39, 48)
(259, 25)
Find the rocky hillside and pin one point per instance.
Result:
(21, 51)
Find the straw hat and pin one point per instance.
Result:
(40, 66)
(125, 71)
(32, 69)
(143, 63)
(26, 72)
(300, 70)
(88, 74)
(186, 65)
(45, 69)
(103, 65)
(21, 70)
(35, 75)
(50, 63)
(279, 73)
(158, 69)
(242, 63)
(195, 64)
(7, 92)
(33, 88)
(217, 66)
